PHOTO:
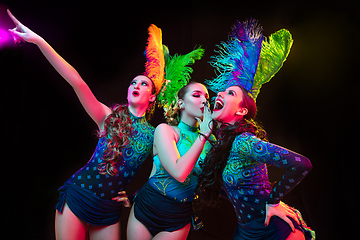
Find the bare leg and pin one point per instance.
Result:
(68, 226)
(180, 234)
(135, 229)
(111, 232)
(297, 235)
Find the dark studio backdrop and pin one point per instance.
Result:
(310, 106)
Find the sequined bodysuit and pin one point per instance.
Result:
(246, 178)
(133, 155)
(168, 186)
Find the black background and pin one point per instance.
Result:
(310, 106)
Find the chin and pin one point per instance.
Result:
(215, 116)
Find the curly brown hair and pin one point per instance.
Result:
(210, 179)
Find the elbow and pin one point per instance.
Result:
(180, 178)
(77, 82)
(305, 165)
(308, 165)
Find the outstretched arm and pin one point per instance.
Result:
(96, 110)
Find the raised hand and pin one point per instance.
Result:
(206, 124)
(21, 32)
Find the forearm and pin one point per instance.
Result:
(96, 110)
(93, 107)
(185, 164)
(297, 168)
(295, 165)
(60, 65)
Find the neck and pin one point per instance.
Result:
(137, 111)
(231, 122)
(191, 121)
(235, 119)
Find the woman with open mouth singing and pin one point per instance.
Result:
(237, 163)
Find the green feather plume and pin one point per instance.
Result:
(177, 75)
(273, 54)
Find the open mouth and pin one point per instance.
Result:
(218, 105)
(135, 93)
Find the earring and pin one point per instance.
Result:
(181, 105)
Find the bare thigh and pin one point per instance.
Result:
(180, 234)
(68, 226)
(135, 229)
(297, 235)
(111, 232)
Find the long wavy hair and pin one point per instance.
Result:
(118, 130)
(210, 179)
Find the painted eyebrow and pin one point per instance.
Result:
(198, 91)
(232, 91)
(143, 80)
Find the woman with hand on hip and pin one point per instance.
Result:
(237, 163)
(89, 199)
(163, 207)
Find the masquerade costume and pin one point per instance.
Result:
(246, 183)
(248, 60)
(164, 204)
(89, 192)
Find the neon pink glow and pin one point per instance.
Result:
(5, 38)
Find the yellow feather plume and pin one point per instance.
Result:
(155, 61)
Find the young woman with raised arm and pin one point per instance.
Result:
(89, 200)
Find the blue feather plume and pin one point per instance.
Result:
(238, 58)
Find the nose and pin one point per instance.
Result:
(137, 85)
(205, 102)
(221, 94)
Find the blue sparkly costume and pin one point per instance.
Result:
(164, 204)
(247, 185)
(88, 193)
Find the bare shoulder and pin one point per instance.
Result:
(165, 131)
(163, 127)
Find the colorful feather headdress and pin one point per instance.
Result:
(177, 75)
(248, 59)
(155, 61)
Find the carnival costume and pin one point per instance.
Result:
(165, 204)
(249, 60)
(89, 192)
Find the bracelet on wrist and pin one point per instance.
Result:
(202, 135)
(273, 203)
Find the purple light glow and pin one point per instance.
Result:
(5, 38)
